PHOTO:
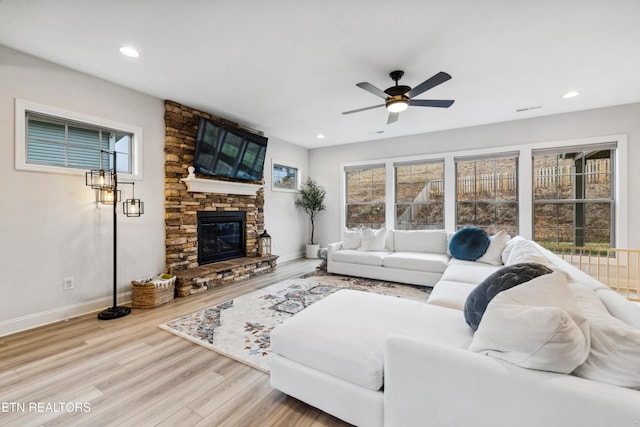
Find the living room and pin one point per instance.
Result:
(53, 229)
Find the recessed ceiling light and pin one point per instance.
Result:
(129, 51)
(571, 94)
(320, 136)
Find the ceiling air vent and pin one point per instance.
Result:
(520, 110)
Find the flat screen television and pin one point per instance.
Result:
(229, 152)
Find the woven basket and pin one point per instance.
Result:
(152, 292)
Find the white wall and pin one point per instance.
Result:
(286, 224)
(51, 227)
(325, 162)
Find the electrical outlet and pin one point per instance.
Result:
(67, 283)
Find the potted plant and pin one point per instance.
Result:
(311, 200)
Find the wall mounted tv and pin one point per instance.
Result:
(223, 150)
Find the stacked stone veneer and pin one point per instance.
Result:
(181, 209)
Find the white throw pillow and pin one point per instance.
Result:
(509, 246)
(525, 251)
(493, 254)
(535, 325)
(351, 239)
(615, 345)
(373, 240)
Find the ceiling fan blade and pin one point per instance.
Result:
(393, 117)
(440, 103)
(372, 89)
(363, 109)
(432, 82)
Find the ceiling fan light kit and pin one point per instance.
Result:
(399, 97)
(397, 104)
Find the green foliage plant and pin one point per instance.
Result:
(311, 200)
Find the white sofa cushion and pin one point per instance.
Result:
(614, 357)
(433, 241)
(450, 294)
(546, 329)
(620, 307)
(343, 335)
(352, 256)
(373, 240)
(497, 243)
(467, 271)
(418, 261)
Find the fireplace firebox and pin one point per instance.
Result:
(221, 236)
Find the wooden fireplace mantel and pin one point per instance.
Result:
(200, 185)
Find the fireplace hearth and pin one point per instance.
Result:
(221, 236)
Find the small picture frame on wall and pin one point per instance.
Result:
(285, 177)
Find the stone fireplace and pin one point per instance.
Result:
(183, 207)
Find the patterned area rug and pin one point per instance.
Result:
(240, 328)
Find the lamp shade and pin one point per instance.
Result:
(108, 196)
(133, 207)
(100, 178)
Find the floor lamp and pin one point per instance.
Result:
(105, 182)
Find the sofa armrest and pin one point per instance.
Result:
(428, 384)
(331, 248)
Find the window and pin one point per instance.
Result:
(419, 195)
(365, 196)
(54, 140)
(284, 178)
(573, 196)
(58, 142)
(487, 193)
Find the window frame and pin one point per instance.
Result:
(298, 179)
(612, 200)
(22, 107)
(423, 162)
(525, 186)
(359, 167)
(495, 202)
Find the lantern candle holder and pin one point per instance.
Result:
(265, 244)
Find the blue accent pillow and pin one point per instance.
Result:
(469, 243)
(503, 279)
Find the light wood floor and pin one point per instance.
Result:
(132, 373)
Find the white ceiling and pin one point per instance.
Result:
(289, 67)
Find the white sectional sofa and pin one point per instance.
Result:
(375, 360)
(413, 257)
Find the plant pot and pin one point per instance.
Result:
(312, 251)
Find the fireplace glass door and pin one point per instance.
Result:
(221, 236)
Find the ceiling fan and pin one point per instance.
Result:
(398, 98)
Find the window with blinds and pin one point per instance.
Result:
(55, 141)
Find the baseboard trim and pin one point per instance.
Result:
(290, 257)
(30, 321)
